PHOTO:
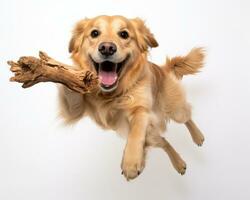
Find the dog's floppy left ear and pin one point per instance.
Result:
(144, 37)
(78, 35)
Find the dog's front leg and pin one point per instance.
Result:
(133, 158)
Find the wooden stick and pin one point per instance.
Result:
(31, 70)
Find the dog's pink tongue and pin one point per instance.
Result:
(107, 78)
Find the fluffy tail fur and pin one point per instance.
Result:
(184, 65)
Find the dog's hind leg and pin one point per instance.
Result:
(195, 132)
(160, 142)
(183, 115)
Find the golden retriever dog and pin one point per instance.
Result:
(135, 98)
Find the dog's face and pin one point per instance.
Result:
(110, 45)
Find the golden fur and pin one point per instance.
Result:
(146, 98)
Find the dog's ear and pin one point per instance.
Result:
(144, 37)
(77, 35)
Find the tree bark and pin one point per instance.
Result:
(31, 70)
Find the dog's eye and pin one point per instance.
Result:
(123, 34)
(95, 33)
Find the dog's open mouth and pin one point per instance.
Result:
(108, 73)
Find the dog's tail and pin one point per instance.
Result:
(184, 65)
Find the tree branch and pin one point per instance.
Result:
(31, 70)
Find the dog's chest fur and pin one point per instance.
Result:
(107, 113)
(113, 113)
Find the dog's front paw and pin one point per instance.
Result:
(132, 164)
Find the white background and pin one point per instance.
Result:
(40, 159)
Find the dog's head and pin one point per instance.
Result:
(110, 45)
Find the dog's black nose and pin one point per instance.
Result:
(107, 48)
